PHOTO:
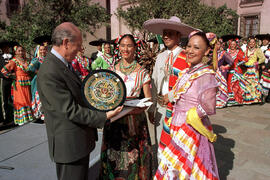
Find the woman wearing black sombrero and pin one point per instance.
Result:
(98, 43)
(40, 53)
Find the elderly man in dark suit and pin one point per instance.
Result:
(71, 126)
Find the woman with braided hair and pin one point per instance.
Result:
(126, 149)
(106, 60)
(41, 52)
(21, 86)
(221, 62)
(255, 57)
(235, 81)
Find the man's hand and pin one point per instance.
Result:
(224, 68)
(113, 113)
(165, 99)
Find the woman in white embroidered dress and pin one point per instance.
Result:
(126, 150)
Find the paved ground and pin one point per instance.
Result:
(24, 155)
(243, 144)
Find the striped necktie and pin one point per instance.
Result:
(168, 65)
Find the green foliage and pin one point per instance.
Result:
(40, 17)
(209, 19)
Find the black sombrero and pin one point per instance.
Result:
(42, 40)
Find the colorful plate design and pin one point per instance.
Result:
(104, 90)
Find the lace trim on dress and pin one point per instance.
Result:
(186, 79)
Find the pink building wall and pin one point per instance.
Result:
(118, 26)
(233, 4)
(260, 9)
(3, 10)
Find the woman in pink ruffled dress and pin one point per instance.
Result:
(190, 154)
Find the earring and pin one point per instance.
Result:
(205, 59)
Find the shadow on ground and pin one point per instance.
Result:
(223, 150)
(7, 127)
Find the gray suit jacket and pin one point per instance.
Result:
(71, 126)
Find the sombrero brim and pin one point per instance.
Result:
(42, 39)
(154, 40)
(8, 43)
(157, 26)
(263, 36)
(97, 42)
(226, 38)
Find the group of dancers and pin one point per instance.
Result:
(186, 86)
(245, 72)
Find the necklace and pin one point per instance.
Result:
(128, 69)
(233, 53)
(109, 60)
(250, 52)
(21, 64)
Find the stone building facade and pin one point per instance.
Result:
(253, 17)
(7, 7)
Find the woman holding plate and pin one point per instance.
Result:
(126, 142)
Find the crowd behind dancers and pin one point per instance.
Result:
(246, 71)
(186, 86)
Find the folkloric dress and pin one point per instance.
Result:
(254, 90)
(236, 83)
(265, 79)
(264, 48)
(21, 91)
(36, 104)
(126, 148)
(189, 154)
(221, 76)
(82, 66)
(105, 61)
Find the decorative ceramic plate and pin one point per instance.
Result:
(104, 90)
